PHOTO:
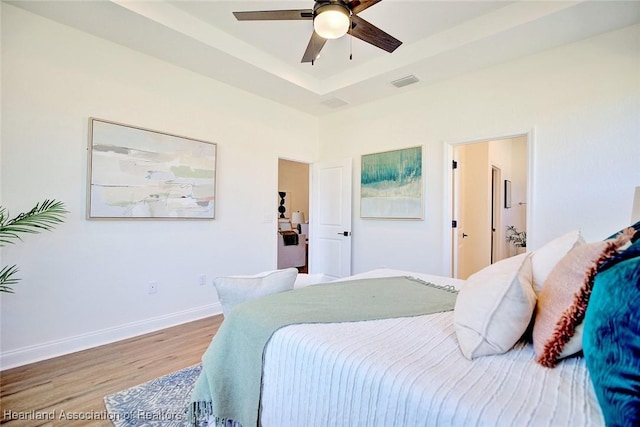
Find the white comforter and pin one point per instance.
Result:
(410, 372)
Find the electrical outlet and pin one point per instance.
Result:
(202, 279)
(152, 287)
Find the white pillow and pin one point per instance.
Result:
(545, 258)
(494, 307)
(234, 290)
(303, 280)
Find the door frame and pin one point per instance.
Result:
(496, 213)
(448, 243)
(312, 247)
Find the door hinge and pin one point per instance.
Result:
(454, 165)
(454, 224)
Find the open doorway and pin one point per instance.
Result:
(293, 215)
(489, 192)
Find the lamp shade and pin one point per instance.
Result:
(331, 21)
(297, 217)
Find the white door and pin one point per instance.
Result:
(330, 219)
(474, 221)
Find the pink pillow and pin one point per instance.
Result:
(562, 302)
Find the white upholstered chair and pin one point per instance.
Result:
(292, 255)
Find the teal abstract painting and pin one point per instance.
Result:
(391, 184)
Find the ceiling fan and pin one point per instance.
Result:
(331, 19)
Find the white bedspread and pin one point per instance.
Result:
(410, 372)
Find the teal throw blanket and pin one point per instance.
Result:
(230, 383)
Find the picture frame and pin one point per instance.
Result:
(139, 173)
(507, 194)
(391, 185)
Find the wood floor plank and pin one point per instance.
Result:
(77, 383)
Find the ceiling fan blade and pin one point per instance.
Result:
(316, 43)
(371, 34)
(275, 15)
(358, 6)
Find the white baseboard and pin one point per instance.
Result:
(48, 350)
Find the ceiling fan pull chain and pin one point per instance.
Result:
(351, 48)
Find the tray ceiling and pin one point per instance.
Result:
(441, 39)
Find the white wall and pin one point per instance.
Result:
(85, 282)
(582, 102)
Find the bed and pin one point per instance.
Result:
(410, 370)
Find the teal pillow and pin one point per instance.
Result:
(611, 340)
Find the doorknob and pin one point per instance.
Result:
(344, 233)
(464, 235)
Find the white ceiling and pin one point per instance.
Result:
(440, 39)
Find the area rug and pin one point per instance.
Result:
(161, 402)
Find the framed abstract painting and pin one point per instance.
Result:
(137, 173)
(391, 185)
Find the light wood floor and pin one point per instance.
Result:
(78, 382)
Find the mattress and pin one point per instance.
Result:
(410, 372)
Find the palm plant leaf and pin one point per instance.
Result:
(6, 279)
(44, 216)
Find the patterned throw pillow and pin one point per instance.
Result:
(234, 290)
(611, 339)
(634, 240)
(557, 329)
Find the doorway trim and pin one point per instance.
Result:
(448, 214)
(496, 212)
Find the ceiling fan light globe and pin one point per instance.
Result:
(331, 24)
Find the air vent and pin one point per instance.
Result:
(334, 102)
(405, 81)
